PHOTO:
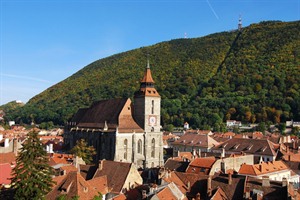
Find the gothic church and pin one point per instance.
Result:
(121, 130)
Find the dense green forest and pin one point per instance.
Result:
(252, 75)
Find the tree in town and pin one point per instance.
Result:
(32, 176)
(84, 151)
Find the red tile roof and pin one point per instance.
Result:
(263, 168)
(73, 185)
(166, 194)
(201, 165)
(116, 173)
(5, 173)
(100, 184)
(249, 146)
(191, 139)
(173, 177)
(7, 158)
(219, 195)
(56, 158)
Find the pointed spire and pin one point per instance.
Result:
(147, 83)
(148, 64)
(147, 76)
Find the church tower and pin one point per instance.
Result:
(147, 114)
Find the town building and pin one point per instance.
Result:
(194, 141)
(121, 130)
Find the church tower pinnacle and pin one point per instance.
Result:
(147, 84)
(147, 104)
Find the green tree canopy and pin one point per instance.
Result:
(32, 176)
(84, 151)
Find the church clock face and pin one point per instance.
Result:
(152, 120)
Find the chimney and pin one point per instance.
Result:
(294, 145)
(265, 181)
(6, 142)
(100, 167)
(223, 170)
(284, 182)
(223, 153)
(247, 192)
(15, 146)
(194, 153)
(189, 185)
(199, 153)
(209, 189)
(229, 178)
(50, 148)
(178, 154)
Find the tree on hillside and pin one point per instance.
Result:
(32, 176)
(84, 151)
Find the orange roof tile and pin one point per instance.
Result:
(166, 194)
(100, 184)
(262, 168)
(7, 158)
(206, 162)
(73, 185)
(172, 177)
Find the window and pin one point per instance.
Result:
(125, 149)
(152, 107)
(153, 148)
(140, 146)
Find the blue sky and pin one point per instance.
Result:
(42, 42)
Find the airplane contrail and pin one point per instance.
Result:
(26, 77)
(212, 9)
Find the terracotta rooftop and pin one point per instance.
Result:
(292, 157)
(199, 140)
(73, 185)
(119, 197)
(219, 194)
(166, 194)
(249, 146)
(173, 177)
(116, 173)
(55, 158)
(100, 184)
(5, 173)
(199, 165)
(262, 168)
(7, 158)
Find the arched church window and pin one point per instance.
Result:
(140, 146)
(153, 148)
(125, 149)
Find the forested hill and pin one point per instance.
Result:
(251, 75)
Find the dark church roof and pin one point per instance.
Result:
(107, 114)
(101, 111)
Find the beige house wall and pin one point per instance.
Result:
(232, 163)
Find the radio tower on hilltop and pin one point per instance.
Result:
(240, 23)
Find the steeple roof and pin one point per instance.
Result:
(147, 76)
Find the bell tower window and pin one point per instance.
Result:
(153, 148)
(140, 146)
(125, 149)
(152, 107)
